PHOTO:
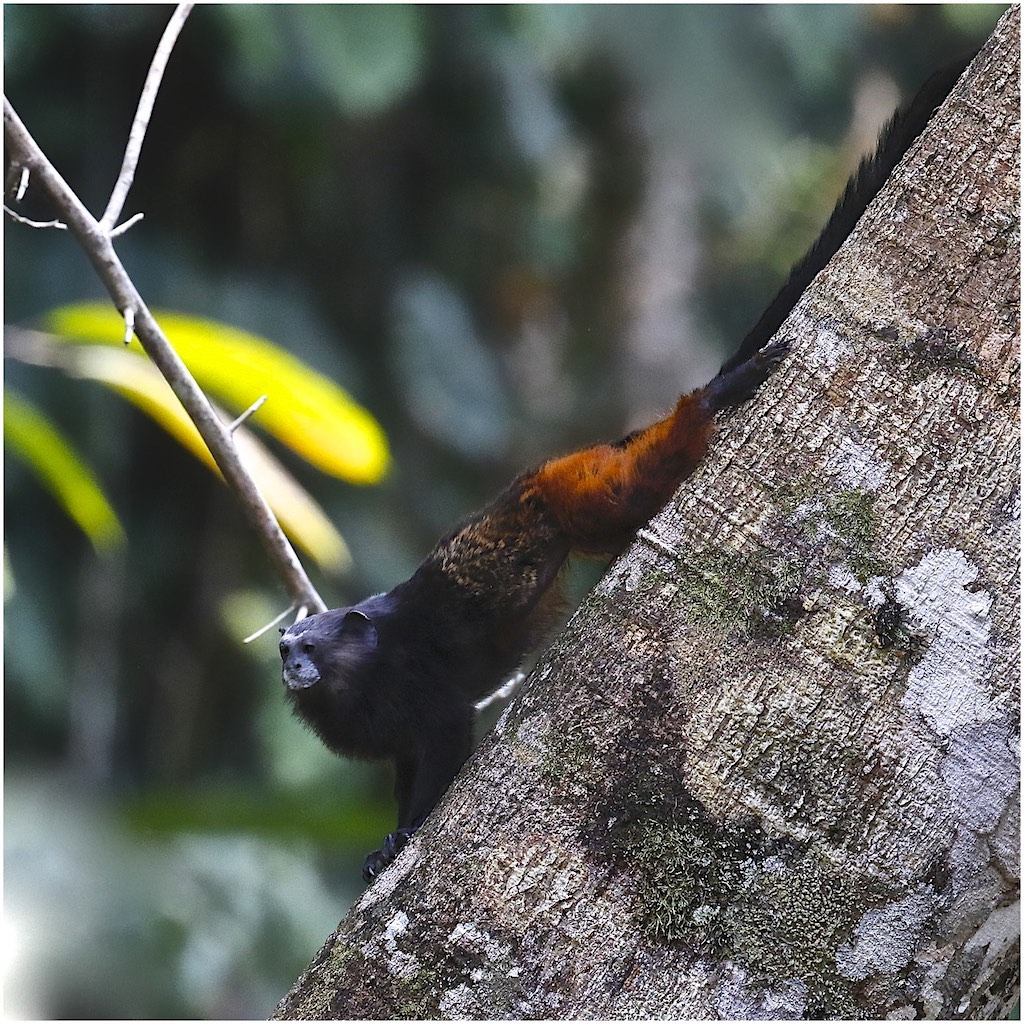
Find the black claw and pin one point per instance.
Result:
(739, 384)
(774, 352)
(377, 861)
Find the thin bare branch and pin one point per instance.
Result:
(58, 225)
(98, 247)
(127, 225)
(22, 185)
(142, 115)
(504, 691)
(270, 625)
(236, 423)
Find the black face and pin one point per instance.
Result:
(298, 669)
(325, 646)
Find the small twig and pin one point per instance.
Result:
(142, 115)
(506, 689)
(236, 423)
(270, 625)
(129, 324)
(129, 223)
(22, 185)
(59, 225)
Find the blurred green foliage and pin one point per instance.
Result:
(503, 231)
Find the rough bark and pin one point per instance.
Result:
(770, 769)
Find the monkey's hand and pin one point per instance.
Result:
(380, 859)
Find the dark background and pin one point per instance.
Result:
(506, 231)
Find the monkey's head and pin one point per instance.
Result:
(327, 648)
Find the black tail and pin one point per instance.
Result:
(896, 138)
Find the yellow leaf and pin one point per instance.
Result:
(305, 411)
(140, 382)
(33, 437)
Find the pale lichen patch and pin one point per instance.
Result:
(829, 349)
(399, 964)
(885, 938)
(457, 1003)
(398, 923)
(738, 998)
(947, 685)
(840, 577)
(858, 465)
(996, 935)
(982, 772)
(874, 591)
(468, 937)
(403, 966)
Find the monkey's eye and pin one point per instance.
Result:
(308, 648)
(283, 648)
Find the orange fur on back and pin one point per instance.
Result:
(601, 495)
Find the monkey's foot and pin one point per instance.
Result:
(739, 384)
(380, 859)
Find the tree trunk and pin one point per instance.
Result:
(770, 769)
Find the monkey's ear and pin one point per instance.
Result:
(357, 625)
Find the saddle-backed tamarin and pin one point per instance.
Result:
(398, 675)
